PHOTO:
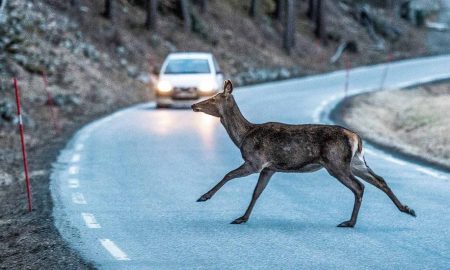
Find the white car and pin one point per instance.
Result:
(186, 78)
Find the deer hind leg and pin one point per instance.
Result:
(244, 170)
(360, 169)
(264, 178)
(344, 175)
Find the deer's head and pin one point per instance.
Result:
(217, 104)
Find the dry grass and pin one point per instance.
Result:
(414, 121)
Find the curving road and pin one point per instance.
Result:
(125, 190)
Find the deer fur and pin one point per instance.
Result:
(275, 147)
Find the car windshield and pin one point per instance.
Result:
(186, 66)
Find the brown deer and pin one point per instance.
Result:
(275, 147)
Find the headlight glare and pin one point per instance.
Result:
(207, 86)
(164, 87)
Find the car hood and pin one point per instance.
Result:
(184, 80)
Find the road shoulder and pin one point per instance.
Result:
(409, 122)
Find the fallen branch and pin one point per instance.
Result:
(437, 26)
(2, 11)
(347, 45)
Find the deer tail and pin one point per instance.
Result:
(359, 144)
(354, 141)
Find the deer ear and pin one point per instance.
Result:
(227, 87)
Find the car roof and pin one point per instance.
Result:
(189, 55)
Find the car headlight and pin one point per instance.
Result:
(207, 86)
(164, 86)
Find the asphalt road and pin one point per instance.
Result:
(125, 190)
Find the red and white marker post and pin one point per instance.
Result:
(22, 141)
(51, 107)
(385, 71)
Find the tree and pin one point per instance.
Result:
(75, 3)
(279, 9)
(202, 4)
(254, 7)
(311, 8)
(186, 15)
(288, 36)
(320, 27)
(152, 14)
(108, 11)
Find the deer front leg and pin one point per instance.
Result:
(244, 170)
(264, 178)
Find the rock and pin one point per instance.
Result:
(7, 112)
(123, 62)
(90, 52)
(61, 100)
(132, 71)
(254, 75)
(5, 178)
(74, 100)
(20, 59)
(84, 9)
(170, 46)
(68, 44)
(154, 40)
(144, 78)
(121, 51)
(284, 73)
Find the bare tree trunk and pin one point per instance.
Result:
(311, 8)
(320, 27)
(75, 3)
(253, 11)
(186, 14)
(152, 14)
(108, 12)
(279, 10)
(288, 37)
(202, 4)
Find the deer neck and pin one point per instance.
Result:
(235, 124)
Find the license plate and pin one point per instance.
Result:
(185, 95)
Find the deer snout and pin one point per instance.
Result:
(195, 108)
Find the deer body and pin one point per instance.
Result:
(276, 147)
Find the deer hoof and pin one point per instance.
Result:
(410, 211)
(346, 224)
(239, 220)
(204, 198)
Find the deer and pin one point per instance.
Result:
(276, 147)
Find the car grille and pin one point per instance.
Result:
(185, 93)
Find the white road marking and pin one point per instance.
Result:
(90, 221)
(114, 250)
(318, 111)
(85, 136)
(118, 114)
(431, 173)
(394, 160)
(75, 158)
(74, 183)
(371, 152)
(402, 163)
(73, 170)
(78, 198)
(79, 147)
